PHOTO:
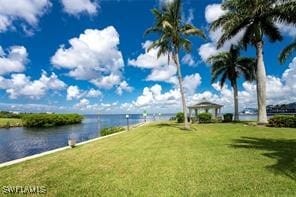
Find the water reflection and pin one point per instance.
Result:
(21, 142)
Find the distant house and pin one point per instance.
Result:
(282, 108)
(15, 112)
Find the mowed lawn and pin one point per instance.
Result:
(161, 159)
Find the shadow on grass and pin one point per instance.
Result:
(173, 125)
(283, 150)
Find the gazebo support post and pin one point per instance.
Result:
(190, 112)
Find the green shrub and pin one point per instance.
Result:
(217, 120)
(228, 117)
(282, 121)
(180, 117)
(111, 130)
(50, 120)
(204, 117)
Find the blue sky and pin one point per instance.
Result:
(89, 57)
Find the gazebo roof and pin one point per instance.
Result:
(205, 104)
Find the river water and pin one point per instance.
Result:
(20, 142)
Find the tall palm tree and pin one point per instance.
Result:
(287, 52)
(257, 19)
(229, 65)
(173, 36)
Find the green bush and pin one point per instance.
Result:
(180, 117)
(50, 120)
(204, 117)
(111, 130)
(282, 121)
(228, 117)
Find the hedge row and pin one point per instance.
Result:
(50, 120)
(202, 117)
(282, 121)
(111, 130)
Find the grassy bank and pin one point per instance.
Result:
(163, 160)
(10, 122)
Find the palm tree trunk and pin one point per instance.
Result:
(176, 60)
(235, 97)
(261, 84)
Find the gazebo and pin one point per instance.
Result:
(205, 106)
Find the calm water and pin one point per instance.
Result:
(17, 143)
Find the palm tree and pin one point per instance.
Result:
(173, 36)
(256, 19)
(229, 65)
(287, 52)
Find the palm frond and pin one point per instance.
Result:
(247, 67)
(285, 12)
(191, 30)
(152, 30)
(232, 28)
(223, 79)
(229, 66)
(217, 70)
(271, 30)
(287, 52)
(166, 24)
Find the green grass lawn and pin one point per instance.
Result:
(164, 160)
(13, 122)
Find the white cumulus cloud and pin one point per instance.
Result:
(14, 60)
(191, 82)
(74, 92)
(161, 70)
(20, 85)
(28, 11)
(154, 98)
(213, 12)
(287, 29)
(83, 103)
(188, 60)
(75, 7)
(93, 56)
(93, 93)
(123, 86)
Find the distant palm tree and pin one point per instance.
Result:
(287, 52)
(173, 33)
(229, 65)
(256, 18)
